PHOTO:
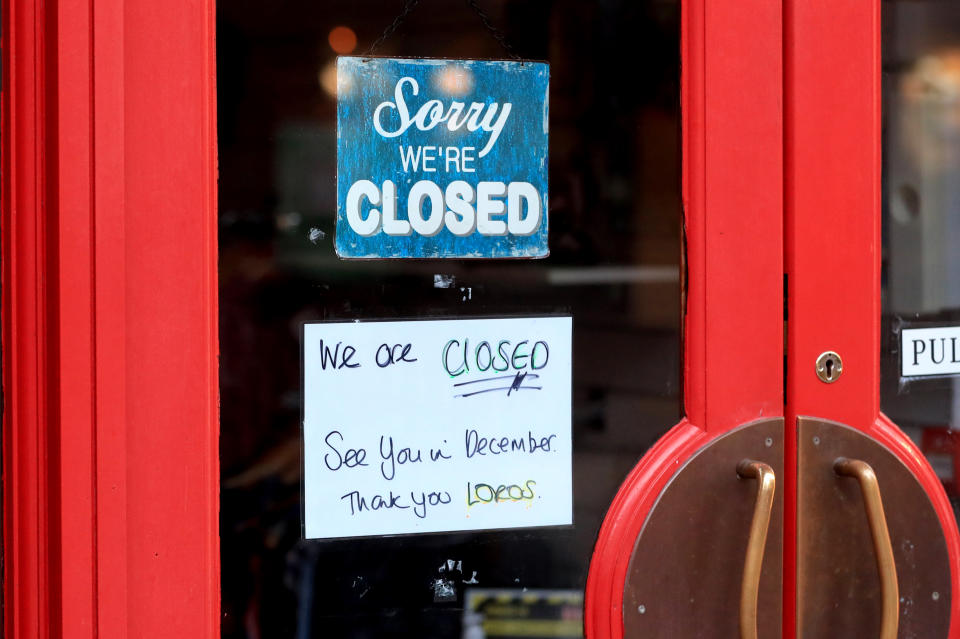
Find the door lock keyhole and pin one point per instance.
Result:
(829, 367)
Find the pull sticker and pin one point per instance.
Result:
(926, 352)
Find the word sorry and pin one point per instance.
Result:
(431, 113)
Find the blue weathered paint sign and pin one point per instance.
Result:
(441, 158)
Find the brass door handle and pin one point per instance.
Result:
(750, 585)
(889, 591)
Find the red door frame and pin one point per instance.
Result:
(110, 446)
(109, 289)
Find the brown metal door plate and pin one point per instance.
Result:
(839, 567)
(687, 568)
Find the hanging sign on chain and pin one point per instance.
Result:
(442, 158)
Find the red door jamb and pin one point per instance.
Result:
(110, 319)
(25, 344)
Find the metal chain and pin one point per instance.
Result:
(495, 32)
(410, 5)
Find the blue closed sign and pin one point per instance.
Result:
(441, 158)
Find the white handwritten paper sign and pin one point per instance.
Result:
(436, 425)
(441, 158)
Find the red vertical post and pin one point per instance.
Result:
(832, 146)
(109, 319)
(74, 540)
(26, 346)
(112, 367)
(170, 253)
(832, 218)
(832, 143)
(733, 171)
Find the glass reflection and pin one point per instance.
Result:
(921, 222)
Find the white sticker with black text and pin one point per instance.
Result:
(930, 351)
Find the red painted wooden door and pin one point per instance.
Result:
(828, 251)
(110, 318)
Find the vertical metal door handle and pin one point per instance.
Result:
(889, 591)
(750, 586)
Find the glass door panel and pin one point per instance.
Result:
(614, 265)
(921, 228)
